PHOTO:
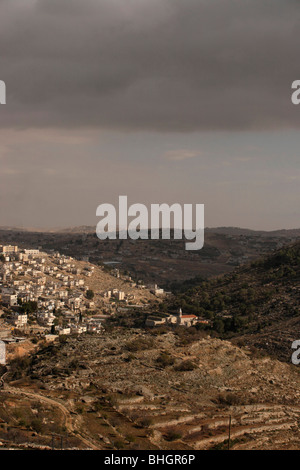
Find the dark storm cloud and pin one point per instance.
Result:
(150, 64)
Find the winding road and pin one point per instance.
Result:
(69, 423)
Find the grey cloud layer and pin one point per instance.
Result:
(166, 65)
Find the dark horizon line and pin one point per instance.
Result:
(91, 228)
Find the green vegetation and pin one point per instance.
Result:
(139, 344)
(165, 359)
(185, 366)
(244, 301)
(172, 435)
(90, 294)
(28, 307)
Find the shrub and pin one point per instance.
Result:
(165, 359)
(36, 425)
(89, 294)
(185, 366)
(146, 422)
(139, 344)
(229, 399)
(172, 435)
(119, 445)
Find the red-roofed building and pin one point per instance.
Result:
(186, 320)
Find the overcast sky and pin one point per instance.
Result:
(161, 100)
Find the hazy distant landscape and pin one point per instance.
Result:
(160, 261)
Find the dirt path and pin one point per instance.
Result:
(69, 424)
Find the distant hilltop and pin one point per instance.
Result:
(245, 231)
(234, 231)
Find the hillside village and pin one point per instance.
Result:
(45, 295)
(52, 294)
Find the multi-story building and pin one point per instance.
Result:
(9, 300)
(8, 249)
(19, 320)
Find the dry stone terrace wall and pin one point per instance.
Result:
(177, 409)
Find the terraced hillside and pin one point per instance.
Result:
(140, 391)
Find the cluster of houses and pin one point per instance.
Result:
(180, 319)
(118, 295)
(153, 288)
(47, 293)
(54, 284)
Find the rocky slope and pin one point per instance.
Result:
(258, 302)
(139, 391)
